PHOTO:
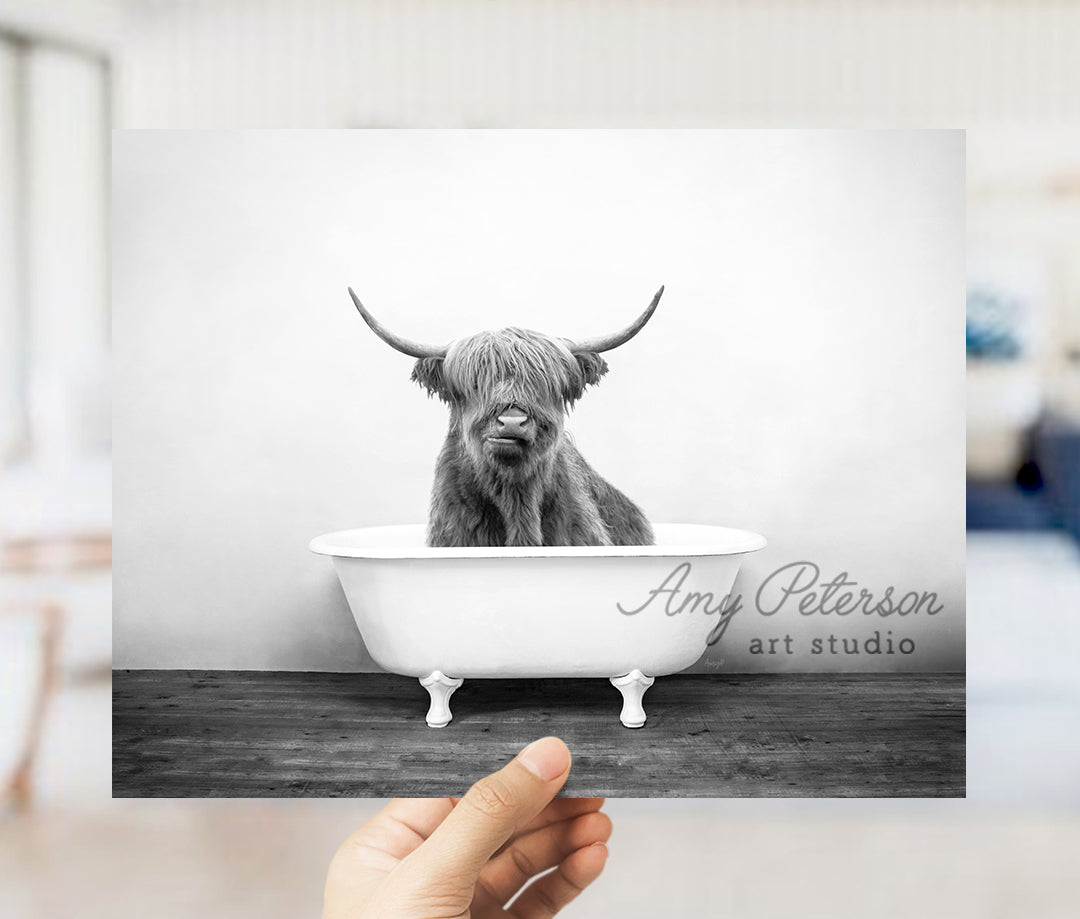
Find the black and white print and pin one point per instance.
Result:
(713, 537)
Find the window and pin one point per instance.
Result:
(54, 281)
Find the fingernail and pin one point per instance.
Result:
(546, 758)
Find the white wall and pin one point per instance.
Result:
(803, 376)
(632, 63)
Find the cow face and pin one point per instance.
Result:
(509, 391)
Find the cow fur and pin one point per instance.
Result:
(544, 494)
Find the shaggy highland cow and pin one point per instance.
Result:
(508, 473)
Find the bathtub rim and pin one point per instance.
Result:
(736, 542)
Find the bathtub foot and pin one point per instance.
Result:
(440, 687)
(632, 686)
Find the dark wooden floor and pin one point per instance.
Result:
(246, 734)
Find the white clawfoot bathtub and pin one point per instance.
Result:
(628, 613)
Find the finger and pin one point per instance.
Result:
(558, 810)
(402, 825)
(495, 808)
(535, 852)
(545, 896)
(392, 834)
(421, 815)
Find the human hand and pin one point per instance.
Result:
(437, 858)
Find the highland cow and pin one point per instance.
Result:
(508, 473)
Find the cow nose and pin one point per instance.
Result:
(513, 422)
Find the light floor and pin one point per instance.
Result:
(1008, 851)
(1023, 645)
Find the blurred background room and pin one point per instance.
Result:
(71, 69)
(1023, 456)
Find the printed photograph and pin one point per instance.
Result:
(429, 443)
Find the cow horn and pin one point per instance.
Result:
(608, 342)
(396, 341)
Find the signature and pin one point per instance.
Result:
(679, 602)
(798, 582)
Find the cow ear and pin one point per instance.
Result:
(428, 373)
(593, 367)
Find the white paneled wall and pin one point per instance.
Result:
(316, 63)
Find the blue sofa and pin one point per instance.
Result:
(1056, 449)
(1051, 501)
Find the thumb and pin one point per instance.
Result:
(492, 811)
